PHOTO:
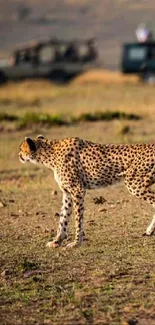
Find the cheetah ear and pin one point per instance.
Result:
(31, 144)
(40, 136)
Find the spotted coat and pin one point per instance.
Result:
(79, 165)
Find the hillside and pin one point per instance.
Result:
(111, 22)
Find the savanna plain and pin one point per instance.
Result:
(110, 280)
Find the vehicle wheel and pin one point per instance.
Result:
(149, 77)
(3, 78)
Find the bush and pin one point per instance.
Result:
(7, 117)
(107, 116)
(30, 119)
(36, 118)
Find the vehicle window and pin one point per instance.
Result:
(21, 57)
(47, 54)
(152, 53)
(83, 50)
(61, 50)
(137, 53)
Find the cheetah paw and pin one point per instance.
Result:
(74, 244)
(149, 230)
(53, 244)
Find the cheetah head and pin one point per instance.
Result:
(27, 150)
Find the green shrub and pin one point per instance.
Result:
(30, 119)
(36, 118)
(7, 117)
(107, 116)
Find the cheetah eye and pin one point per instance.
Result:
(40, 136)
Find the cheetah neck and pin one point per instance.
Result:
(45, 153)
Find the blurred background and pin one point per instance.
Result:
(111, 22)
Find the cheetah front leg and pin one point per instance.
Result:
(78, 203)
(66, 211)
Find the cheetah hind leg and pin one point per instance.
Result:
(151, 228)
(142, 192)
(150, 198)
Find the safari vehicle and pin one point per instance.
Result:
(53, 59)
(139, 58)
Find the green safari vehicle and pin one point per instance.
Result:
(54, 59)
(139, 58)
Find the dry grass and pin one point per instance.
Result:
(110, 280)
(112, 92)
(106, 77)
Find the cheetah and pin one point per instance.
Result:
(79, 165)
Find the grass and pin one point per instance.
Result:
(110, 279)
(84, 95)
